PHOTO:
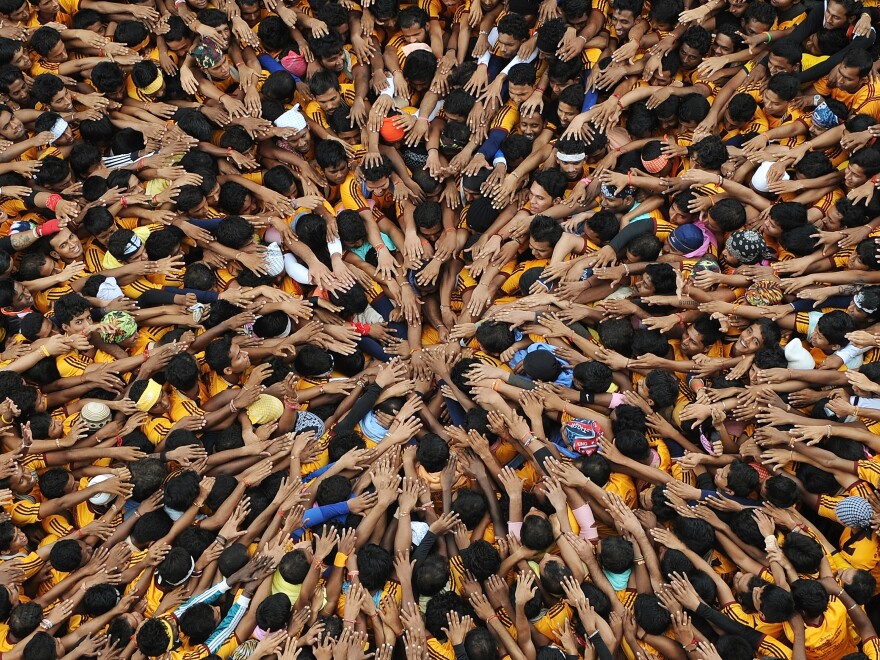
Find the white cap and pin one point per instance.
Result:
(798, 357)
(274, 259)
(293, 118)
(101, 498)
(95, 415)
(759, 178)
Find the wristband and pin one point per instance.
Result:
(52, 201)
(48, 227)
(340, 559)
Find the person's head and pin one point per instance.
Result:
(13, 52)
(570, 156)
(470, 507)
(46, 42)
(760, 334)
(537, 533)
(375, 566)
(419, 69)
(699, 335)
(785, 57)
(616, 554)
(602, 227)
(863, 164)
(726, 216)
(73, 313)
(377, 178)
(512, 32)
(432, 575)
(547, 188)
(804, 552)
(182, 372)
(24, 619)
(737, 479)
(781, 89)
(624, 14)
(325, 89)
(658, 279)
(651, 615)
(711, 153)
(43, 646)
(482, 559)
(328, 50)
(332, 160)
(810, 597)
(830, 332)
(495, 337)
(544, 233)
(695, 43)
(67, 555)
(840, 13)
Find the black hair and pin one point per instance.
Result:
(420, 66)
(481, 558)
(651, 615)
(431, 575)
(698, 38)
(729, 214)
(711, 152)
(605, 224)
(835, 325)
(515, 25)
(616, 554)
(804, 552)
(545, 229)
(470, 507)
(760, 11)
(693, 109)
(24, 619)
(70, 305)
(810, 597)
(375, 566)
(785, 85)
(66, 555)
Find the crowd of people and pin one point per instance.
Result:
(457, 330)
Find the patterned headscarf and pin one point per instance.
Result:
(747, 246)
(122, 327)
(824, 117)
(763, 293)
(854, 512)
(609, 190)
(207, 54)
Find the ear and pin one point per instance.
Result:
(227, 371)
(54, 254)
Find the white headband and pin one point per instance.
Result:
(58, 129)
(192, 568)
(570, 158)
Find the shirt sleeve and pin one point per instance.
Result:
(208, 596)
(227, 625)
(317, 515)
